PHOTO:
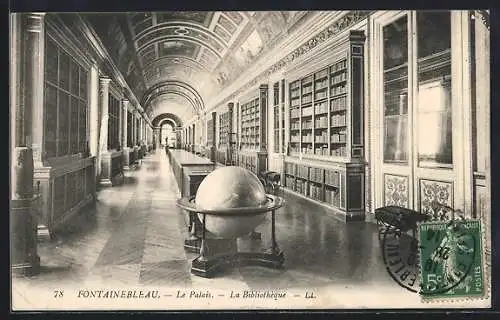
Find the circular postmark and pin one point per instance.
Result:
(400, 254)
(447, 251)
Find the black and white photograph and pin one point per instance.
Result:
(246, 160)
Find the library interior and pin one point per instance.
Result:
(144, 145)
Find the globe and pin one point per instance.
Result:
(226, 188)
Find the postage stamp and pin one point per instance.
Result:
(451, 259)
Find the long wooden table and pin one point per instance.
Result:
(190, 170)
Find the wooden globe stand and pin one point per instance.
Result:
(206, 266)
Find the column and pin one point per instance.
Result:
(262, 154)
(136, 138)
(156, 138)
(124, 132)
(214, 137)
(133, 129)
(94, 111)
(263, 91)
(193, 138)
(33, 82)
(105, 161)
(24, 256)
(230, 108)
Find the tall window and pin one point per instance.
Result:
(65, 105)
(113, 123)
(276, 108)
(396, 91)
(432, 112)
(434, 89)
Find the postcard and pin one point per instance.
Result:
(228, 160)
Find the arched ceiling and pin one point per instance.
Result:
(172, 118)
(187, 57)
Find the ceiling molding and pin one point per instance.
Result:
(149, 95)
(98, 46)
(342, 22)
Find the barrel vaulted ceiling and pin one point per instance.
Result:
(177, 61)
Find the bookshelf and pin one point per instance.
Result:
(250, 125)
(210, 132)
(319, 111)
(224, 130)
(252, 153)
(325, 161)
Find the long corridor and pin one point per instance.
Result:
(134, 237)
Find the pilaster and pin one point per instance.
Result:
(105, 167)
(33, 83)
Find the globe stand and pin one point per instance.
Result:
(193, 242)
(207, 266)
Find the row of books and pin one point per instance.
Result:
(338, 151)
(307, 150)
(250, 113)
(249, 109)
(321, 122)
(321, 107)
(295, 85)
(321, 84)
(341, 77)
(321, 74)
(290, 182)
(290, 168)
(307, 80)
(301, 187)
(307, 99)
(321, 139)
(338, 104)
(322, 151)
(338, 120)
(303, 171)
(341, 89)
(307, 138)
(321, 95)
(316, 192)
(332, 178)
(332, 197)
(308, 124)
(307, 111)
(341, 65)
(316, 174)
(338, 137)
(294, 149)
(294, 94)
(306, 90)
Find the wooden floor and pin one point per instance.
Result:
(135, 237)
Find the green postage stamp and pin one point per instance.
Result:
(451, 254)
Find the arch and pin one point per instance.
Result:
(167, 120)
(164, 116)
(173, 87)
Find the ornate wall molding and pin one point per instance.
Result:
(335, 28)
